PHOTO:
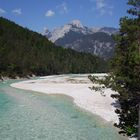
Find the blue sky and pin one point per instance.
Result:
(37, 14)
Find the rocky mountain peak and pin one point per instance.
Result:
(77, 23)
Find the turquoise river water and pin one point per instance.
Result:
(27, 115)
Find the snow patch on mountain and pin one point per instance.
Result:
(59, 32)
(77, 23)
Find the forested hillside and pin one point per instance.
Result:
(24, 52)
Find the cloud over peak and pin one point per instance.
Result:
(17, 11)
(50, 13)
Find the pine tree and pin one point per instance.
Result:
(126, 69)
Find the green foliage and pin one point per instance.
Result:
(125, 75)
(100, 83)
(126, 69)
(24, 52)
(105, 81)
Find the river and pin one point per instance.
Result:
(28, 115)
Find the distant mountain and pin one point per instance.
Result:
(74, 35)
(108, 30)
(60, 32)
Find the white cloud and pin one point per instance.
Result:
(62, 8)
(102, 7)
(17, 11)
(50, 13)
(100, 4)
(2, 11)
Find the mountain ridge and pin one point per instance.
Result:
(76, 36)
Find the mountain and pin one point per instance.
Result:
(99, 43)
(60, 32)
(24, 52)
(109, 30)
(74, 35)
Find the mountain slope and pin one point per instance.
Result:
(100, 44)
(74, 35)
(24, 52)
(108, 30)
